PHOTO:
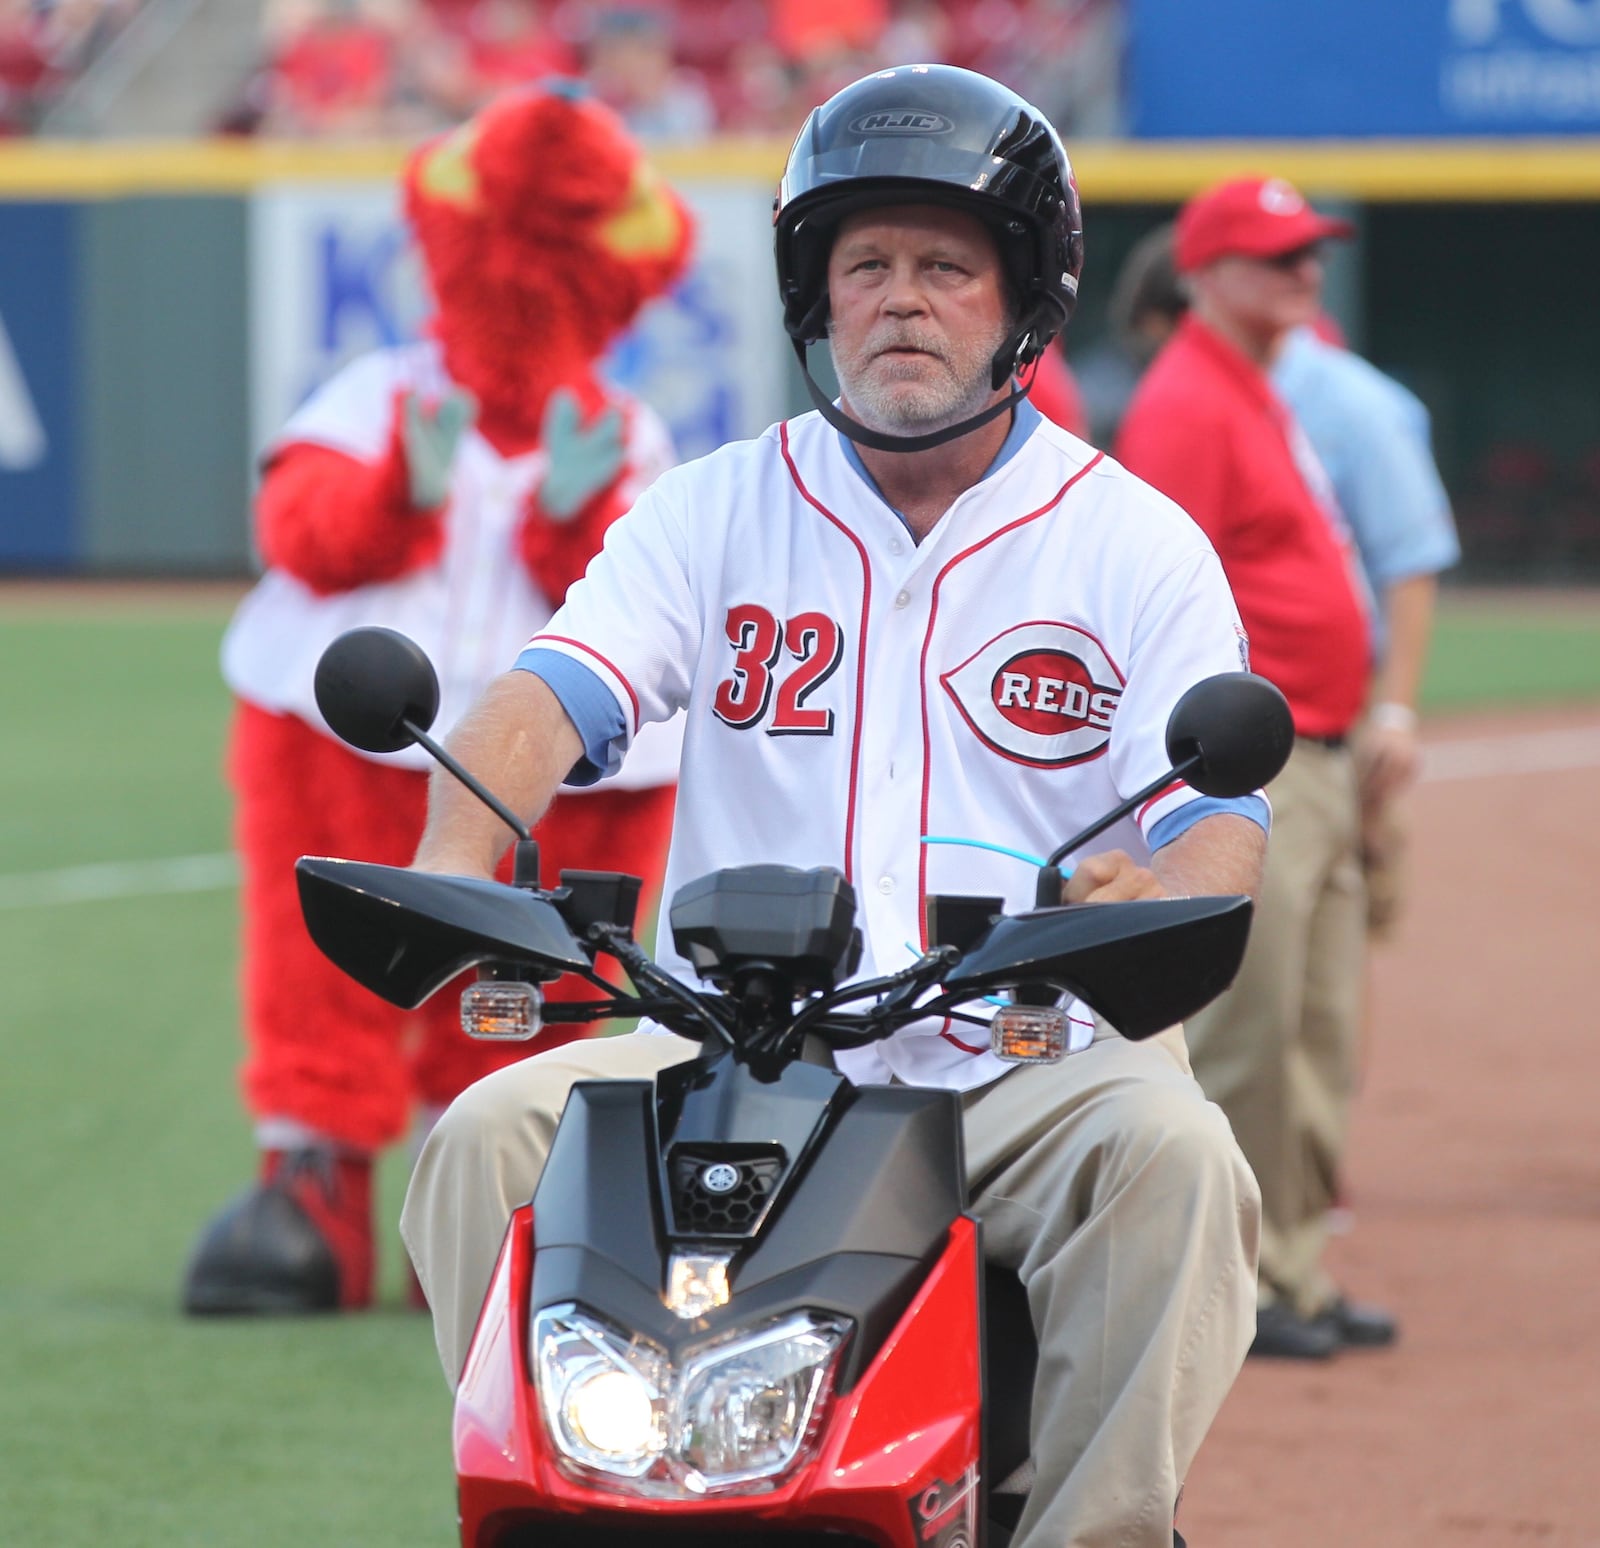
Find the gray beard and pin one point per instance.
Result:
(898, 407)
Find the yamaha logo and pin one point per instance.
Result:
(1041, 693)
(903, 121)
(720, 1178)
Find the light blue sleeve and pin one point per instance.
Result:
(589, 706)
(1372, 436)
(1176, 824)
(1393, 496)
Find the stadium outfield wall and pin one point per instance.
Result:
(164, 306)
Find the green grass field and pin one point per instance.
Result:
(120, 1422)
(1514, 652)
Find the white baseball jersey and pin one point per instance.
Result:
(848, 691)
(472, 609)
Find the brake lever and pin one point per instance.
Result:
(895, 989)
(919, 976)
(600, 1010)
(621, 945)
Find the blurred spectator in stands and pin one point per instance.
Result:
(756, 93)
(333, 68)
(673, 69)
(1064, 55)
(629, 63)
(44, 45)
(27, 77)
(810, 29)
(918, 31)
(468, 51)
(829, 44)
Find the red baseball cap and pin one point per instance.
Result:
(1249, 217)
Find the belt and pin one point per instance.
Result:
(1333, 743)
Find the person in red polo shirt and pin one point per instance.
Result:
(1277, 1051)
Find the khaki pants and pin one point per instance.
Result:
(1277, 1051)
(1107, 1181)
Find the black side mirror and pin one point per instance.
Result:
(1228, 735)
(1238, 726)
(377, 689)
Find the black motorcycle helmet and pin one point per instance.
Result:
(933, 134)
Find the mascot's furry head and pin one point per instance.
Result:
(544, 231)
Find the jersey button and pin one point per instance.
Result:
(903, 600)
(886, 885)
(896, 546)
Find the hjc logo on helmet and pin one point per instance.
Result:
(906, 121)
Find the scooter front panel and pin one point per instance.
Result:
(903, 1451)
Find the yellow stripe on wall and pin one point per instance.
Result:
(1120, 172)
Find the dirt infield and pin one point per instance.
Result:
(1475, 1188)
(24, 598)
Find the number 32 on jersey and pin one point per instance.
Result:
(777, 666)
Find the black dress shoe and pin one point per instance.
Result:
(1282, 1334)
(1359, 1325)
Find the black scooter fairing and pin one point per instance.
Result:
(403, 934)
(1142, 965)
(852, 1226)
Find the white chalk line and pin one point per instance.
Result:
(119, 879)
(1512, 752)
(1515, 752)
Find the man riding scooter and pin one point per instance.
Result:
(919, 611)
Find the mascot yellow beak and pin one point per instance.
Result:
(446, 172)
(649, 224)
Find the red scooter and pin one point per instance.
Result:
(746, 1303)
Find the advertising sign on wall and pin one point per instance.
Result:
(39, 390)
(1358, 68)
(333, 275)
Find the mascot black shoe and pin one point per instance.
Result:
(299, 1240)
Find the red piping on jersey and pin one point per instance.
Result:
(927, 642)
(861, 650)
(589, 650)
(1160, 795)
(950, 1037)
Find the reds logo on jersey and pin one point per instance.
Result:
(1041, 693)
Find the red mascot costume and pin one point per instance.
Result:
(453, 490)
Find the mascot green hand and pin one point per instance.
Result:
(582, 461)
(431, 434)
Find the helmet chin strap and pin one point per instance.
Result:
(879, 440)
(1001, 371)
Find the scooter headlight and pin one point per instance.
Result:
(602, 1396)
(744, 1407)
(734, 1417)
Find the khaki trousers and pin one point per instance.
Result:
(1108, 1181)
(1277, 1051)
